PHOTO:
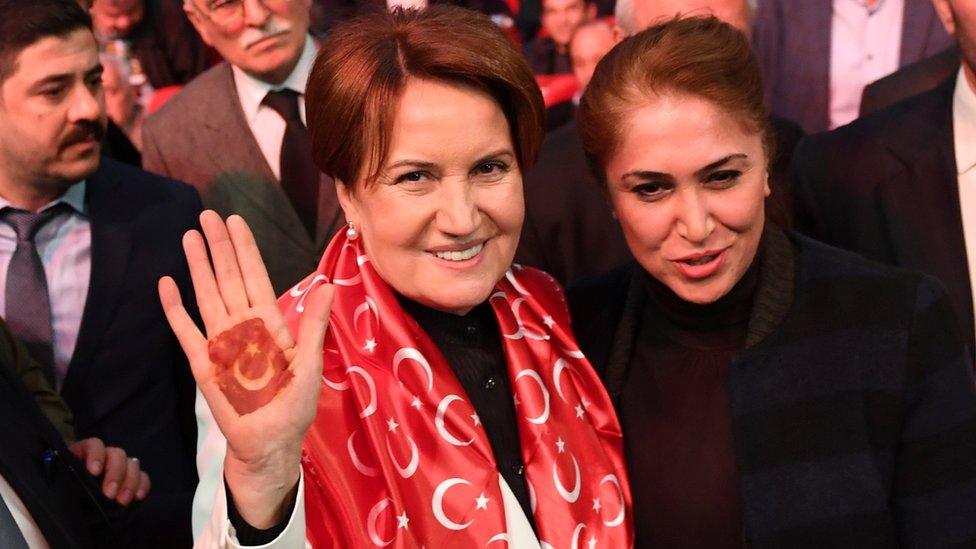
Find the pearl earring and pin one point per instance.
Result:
(351, 232)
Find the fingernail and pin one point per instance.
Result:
(112, 489)
(95, 467)
(125, 497)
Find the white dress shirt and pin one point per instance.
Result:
(964, 139)
(267, 126)
(865, 45)
(64, 244)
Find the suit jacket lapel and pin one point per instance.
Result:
(224, 117)
(111, 235)
(920, 199)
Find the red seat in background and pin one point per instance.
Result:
(557, 88)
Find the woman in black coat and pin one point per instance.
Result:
(773, 391)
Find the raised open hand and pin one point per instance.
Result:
(260, 381)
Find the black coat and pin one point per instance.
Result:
(885, 186)
(853, 405)
(65, 503)
(919, 77)
(128, 381)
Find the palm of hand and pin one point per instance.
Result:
(275, 399)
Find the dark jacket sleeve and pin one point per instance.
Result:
(935, 479)
(29, 372)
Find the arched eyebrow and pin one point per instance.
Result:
(718, 164)
(700, 173)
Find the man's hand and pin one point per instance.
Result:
(262, 410)
(122, 479)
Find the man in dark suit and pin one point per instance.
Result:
(920, 76)
(82, 244)
(895, 185)
(817, 55)
(227, 134)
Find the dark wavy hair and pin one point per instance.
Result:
(24, 22)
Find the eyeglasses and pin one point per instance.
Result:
(230, 13)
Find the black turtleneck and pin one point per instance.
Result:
(676, 417)
(472, 346)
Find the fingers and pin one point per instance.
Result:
(144, 486)
(211, 307)
(255, 274)
(191, 340)
(130, 483)
(115, 471)
(226, 266)
(91, 452)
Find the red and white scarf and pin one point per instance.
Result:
(397, 456)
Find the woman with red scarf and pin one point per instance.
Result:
(447, 403)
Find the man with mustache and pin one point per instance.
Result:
(237, 132)
(82, 242)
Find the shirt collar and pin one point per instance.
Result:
(252, 91)
(74, 197)
(964, 124)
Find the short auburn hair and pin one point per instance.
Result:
(700, 56)
(363, 68)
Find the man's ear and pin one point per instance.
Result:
(944, 11)
(196, 19)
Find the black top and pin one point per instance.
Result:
(471, 344)
(676, 418)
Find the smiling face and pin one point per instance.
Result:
(441, 222)
(52, 116)
(687, 183)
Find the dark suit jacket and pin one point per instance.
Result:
(920, 76)
(200, 136)
(569, 229)
(63, 500)
(128, 381)
(853, 405)
(792, 40)
(885, 186)
(167, 46)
